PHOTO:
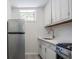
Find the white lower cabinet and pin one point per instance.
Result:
(47, 53)
(40, 50)
(43, 52)
(50, 54)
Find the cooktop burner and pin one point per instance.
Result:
(65, 45)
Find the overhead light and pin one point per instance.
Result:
(27, 10)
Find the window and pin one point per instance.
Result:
(28, 15)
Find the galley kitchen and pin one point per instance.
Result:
(39, 29)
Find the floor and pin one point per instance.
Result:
(32, 57)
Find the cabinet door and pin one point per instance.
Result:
(53, 10)
(48, 13)
(70, 9)
(40, 49)
(57, 11)
(64, 9)
(43, 52)
(50, 54)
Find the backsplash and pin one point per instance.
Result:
(62, 32)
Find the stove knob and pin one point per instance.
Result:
(61, 49)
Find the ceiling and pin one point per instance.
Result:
(28, 3)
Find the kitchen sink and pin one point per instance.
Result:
(47, 38)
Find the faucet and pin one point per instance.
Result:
(53, 36)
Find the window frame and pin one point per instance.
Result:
(29, 12)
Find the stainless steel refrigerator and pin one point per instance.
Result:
(15, 39)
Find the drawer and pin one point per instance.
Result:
(50, 46)
(53, 47)
(45, 43)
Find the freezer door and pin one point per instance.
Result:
(16, 46)
(16, 26)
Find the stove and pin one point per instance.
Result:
(65, 45)
(64, 50)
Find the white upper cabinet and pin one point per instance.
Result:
(58, 11)
(47, 13)
(70, 9)
(64, 9)
(53, 8)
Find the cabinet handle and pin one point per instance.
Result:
(68, 13)
(40, 46)
(45, 53)
(45, 50)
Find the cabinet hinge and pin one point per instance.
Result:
(45, 49)
(68, 13)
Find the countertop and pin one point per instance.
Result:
(53, 41)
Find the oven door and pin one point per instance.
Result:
(60, 57)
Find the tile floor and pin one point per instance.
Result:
(32, 57)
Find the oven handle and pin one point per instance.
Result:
(61, 53)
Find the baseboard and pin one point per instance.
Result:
(31, 53)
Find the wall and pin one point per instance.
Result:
(33, 30)
(15, 13)
(64, 32)
(9, 10)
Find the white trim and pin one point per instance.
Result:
(26, 7)
(31, 53)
